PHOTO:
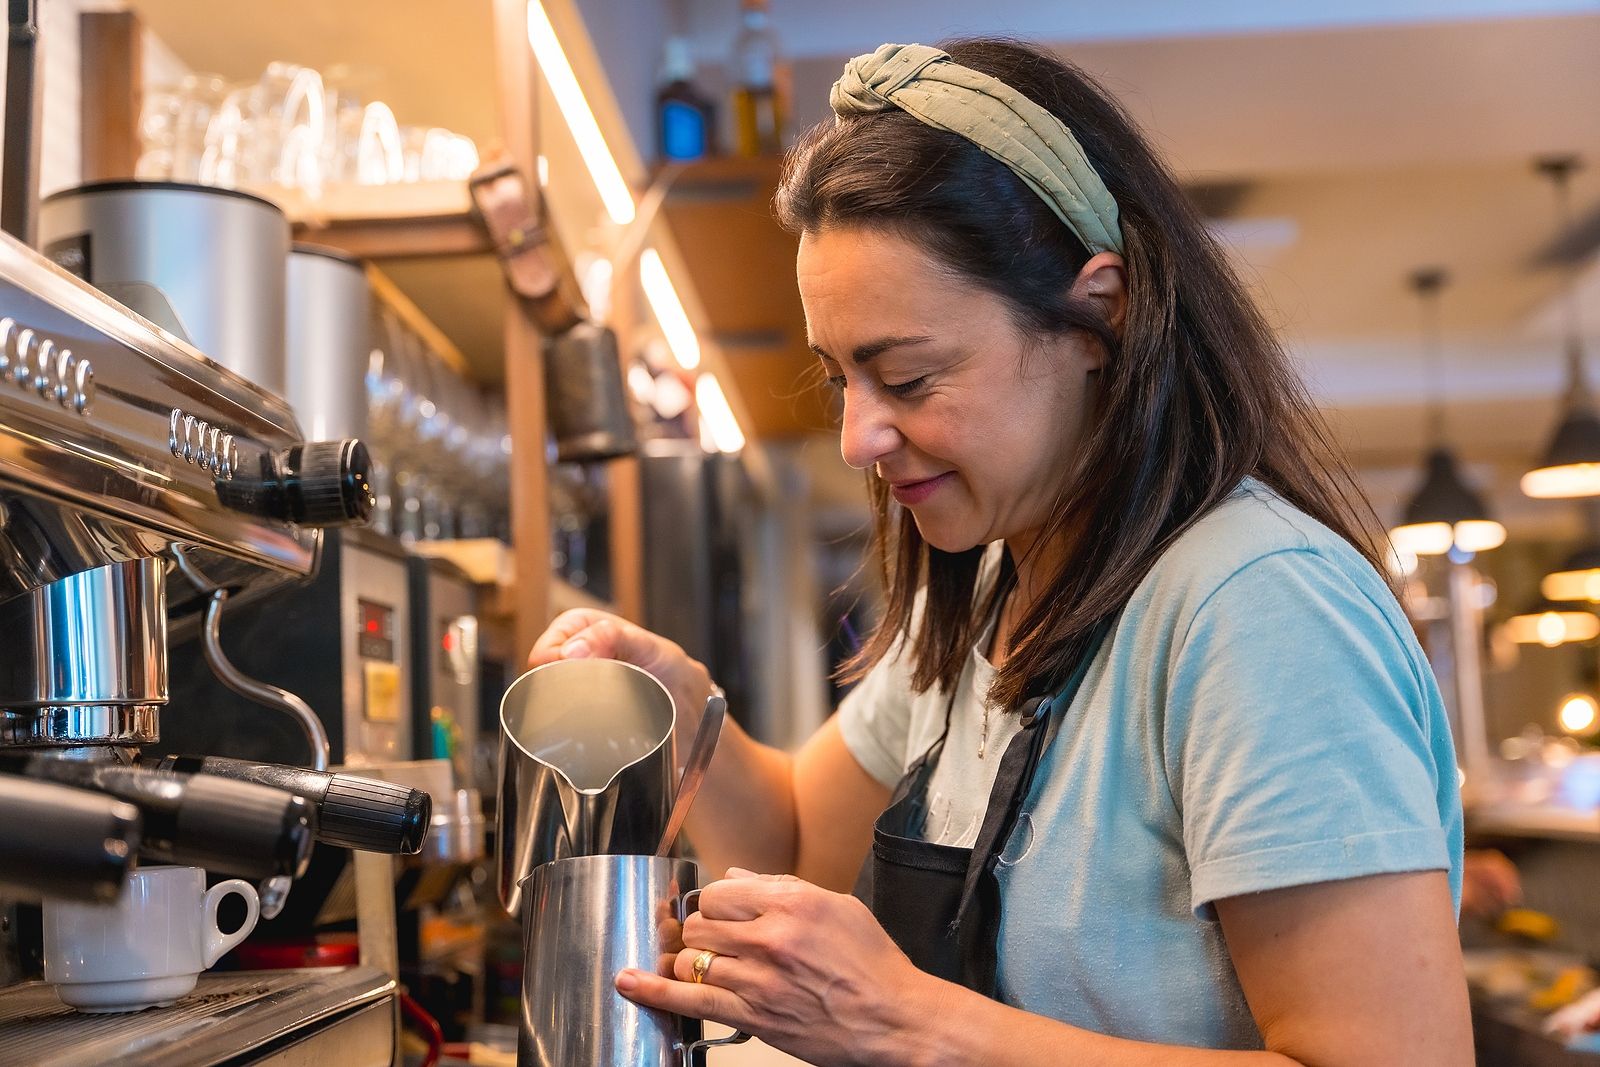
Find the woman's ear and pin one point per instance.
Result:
(1104, 282)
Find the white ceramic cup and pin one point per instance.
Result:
(148, 948)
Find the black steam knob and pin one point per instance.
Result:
(352, 812)
(315, 483)
(328, 483)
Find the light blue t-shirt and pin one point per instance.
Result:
(1260, 717)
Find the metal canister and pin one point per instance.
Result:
(329, 342)
(585, 399)
(204, 262)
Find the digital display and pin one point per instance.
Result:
(374, 631)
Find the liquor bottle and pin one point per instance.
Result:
(685, 117)
(758, 97)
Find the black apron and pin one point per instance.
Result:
(941, 903)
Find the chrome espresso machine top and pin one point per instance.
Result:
(142, 486)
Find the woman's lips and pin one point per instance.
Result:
(910, 494)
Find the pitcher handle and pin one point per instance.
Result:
(695, 1054)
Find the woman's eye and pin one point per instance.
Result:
(836, 382)
(905, 388)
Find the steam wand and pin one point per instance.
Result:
(274, 890)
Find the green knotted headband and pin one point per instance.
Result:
(927, 85)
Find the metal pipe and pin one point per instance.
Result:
(1466, 633)
(260, 692)
(249, 688)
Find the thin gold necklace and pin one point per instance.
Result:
(994, 653)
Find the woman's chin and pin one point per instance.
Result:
(945, 537)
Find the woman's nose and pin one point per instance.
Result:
(867, 433)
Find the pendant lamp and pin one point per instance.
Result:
(1550, 624)
(1445, 514)
(1570, 464)
(1578, 576)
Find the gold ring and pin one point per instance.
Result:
(702, 964)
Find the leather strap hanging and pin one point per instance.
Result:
(534, 264)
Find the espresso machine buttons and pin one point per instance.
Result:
(206, 446)
(22, 349)
(81, 398)
(36, 363)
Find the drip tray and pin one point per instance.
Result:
(230, 1017)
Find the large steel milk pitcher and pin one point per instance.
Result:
(584, 919)
(586, 766)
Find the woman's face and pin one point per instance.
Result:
(974, 426)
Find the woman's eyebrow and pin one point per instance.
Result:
(866, 353)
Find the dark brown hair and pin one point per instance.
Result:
(1196, 393)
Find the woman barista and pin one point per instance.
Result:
(1144, 765)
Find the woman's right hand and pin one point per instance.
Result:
(583, 633)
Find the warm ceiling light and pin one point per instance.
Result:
(1479, 535)
(1445, 514)
(1570, 465)
(668, 310)
(1578, 578)
(716, 416)
(1564, 479)
(1553, 627)
(1579, 714)
(1422, 538)
(614, 192)
(1401, 563)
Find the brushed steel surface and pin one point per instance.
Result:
(586, 763)
(227, 1016)
(364, 1038)
(329, 342)
(584, 919)
(81, 724)
(98, 637)
(218, 258)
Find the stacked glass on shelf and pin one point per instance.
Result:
(292, 128)
(440, 444)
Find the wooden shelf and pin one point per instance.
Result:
(385, 221)
(742, 265)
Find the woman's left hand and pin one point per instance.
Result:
(805, 970)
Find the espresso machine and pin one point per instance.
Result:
(146, 490)
(380, 645)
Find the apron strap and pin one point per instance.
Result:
(1015, 776)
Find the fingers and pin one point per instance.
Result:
(582, 633)
(565, 626)
(745, 896)
(683, 998)
(727, 968)
(729, 938)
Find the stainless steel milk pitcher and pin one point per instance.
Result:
(586, 766)
(583, 920)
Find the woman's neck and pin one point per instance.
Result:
(1036, 563)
